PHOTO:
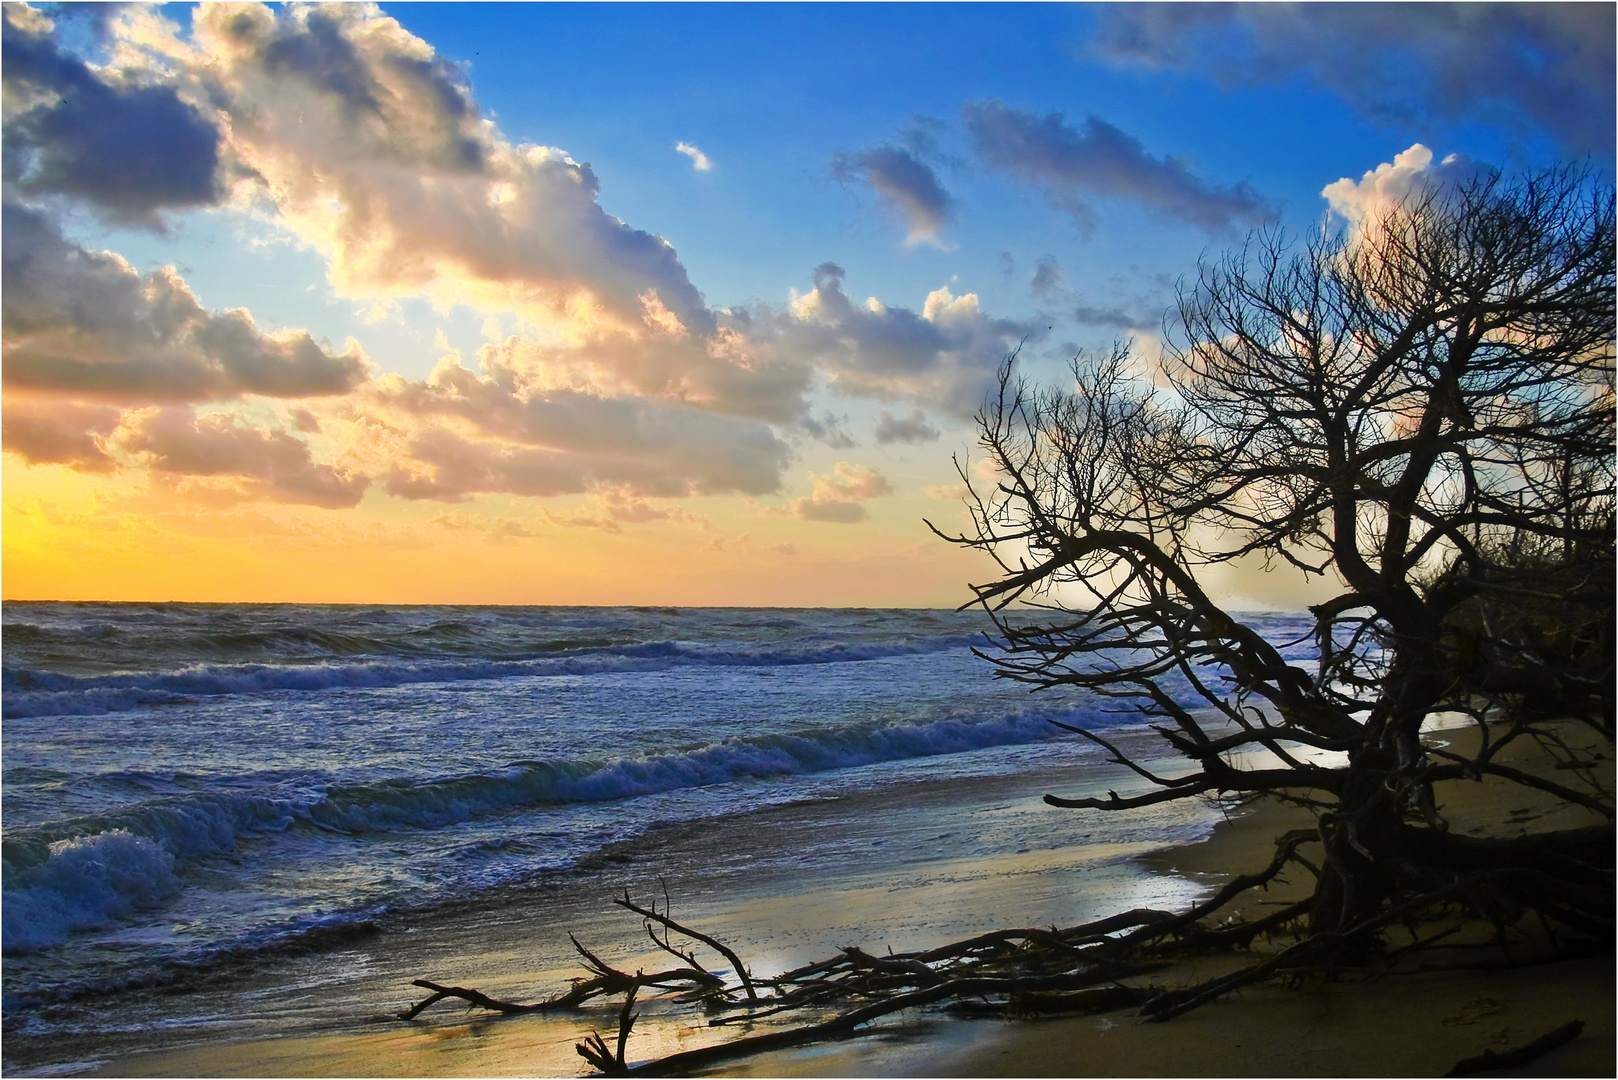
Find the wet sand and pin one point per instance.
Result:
(1417, 1024)
(1409, 1024)
(905, 867)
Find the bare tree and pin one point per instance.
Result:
(1419, 408)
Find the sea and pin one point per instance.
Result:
(195, 791)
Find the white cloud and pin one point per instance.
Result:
(945, 356)
(1389, 184)
(337, 124)
(699, 160)
(458, 433)
(371, 147)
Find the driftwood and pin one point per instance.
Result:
(1100, 966)
(1489, 1061)
(604, 979)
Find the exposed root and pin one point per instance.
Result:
(1094, 967)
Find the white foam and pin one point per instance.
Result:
(60, 884)
(85, 883)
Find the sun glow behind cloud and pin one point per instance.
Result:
(613, 435)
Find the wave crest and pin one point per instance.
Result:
(30, 692)
(87, 872)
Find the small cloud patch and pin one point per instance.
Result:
(699, 160)
(839, 497)
(911, 429)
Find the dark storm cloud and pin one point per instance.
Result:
(128, 149)
(1544, 66)
(904, 182)
(85, 324)
(1097, 160)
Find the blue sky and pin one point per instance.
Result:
(760, 369)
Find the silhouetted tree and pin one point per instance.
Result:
(1419, 407)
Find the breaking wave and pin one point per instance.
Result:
(89, 872)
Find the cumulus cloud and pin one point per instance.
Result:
(459, 433)
(372, 148)
(1538, 67)
(84, 323)
(910, 429)
(904, 183)
(127, 145)
(732, 370)
(699, 160)
(1097, 160)
(839, 497)
(944, 356)
(1389, 184)
(337, 124)
(61, 433)
(264, 463)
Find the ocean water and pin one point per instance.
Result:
(199, 786)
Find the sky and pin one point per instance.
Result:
(652, 304)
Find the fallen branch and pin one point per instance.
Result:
(669, 924)
(594, 1048)
(1489, 1061)
(1088, 967)
(474, 997)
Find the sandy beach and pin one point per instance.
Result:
(1413, 1024)
(1406, 1025)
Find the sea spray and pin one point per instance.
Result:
(82, 884)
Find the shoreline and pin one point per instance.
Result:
(906, 866)
(1404, 1025)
